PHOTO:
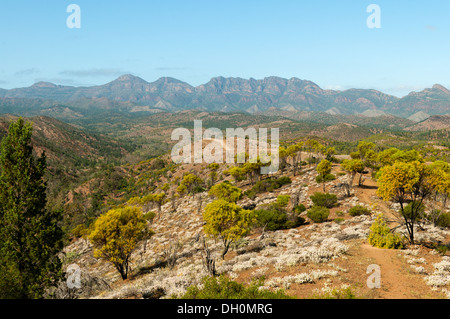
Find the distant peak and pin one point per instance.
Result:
(44, 85)
(129, 78)
(441, 88)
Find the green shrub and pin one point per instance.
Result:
(358, 211)
(224, 288)
(339, 220)
(274, 217)
(283, 200)
(325, 200)
(327, 178)
(443, 220)
(267, 185)
(299, 209)
(340, 213)
(271, 218)
(380, 235)
(79, 231)
(419, 211)
(318, 214)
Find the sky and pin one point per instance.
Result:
(327, 42)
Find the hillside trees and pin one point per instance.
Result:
(226, 191)
(227, 221)
(30, 234)
(115, 235)
(404, 183)
(324, 168)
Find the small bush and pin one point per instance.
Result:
(318, 214)
(224, 288)
(79, 231)
(283, 200)
(327, 178)
(380, 235)
(358, 211)
(325, 200)
(419, 211)
(343, 293)
(267, 185)
(339, 220)
(271, 218)
(274, 217)
(443, 220)
(299, 209)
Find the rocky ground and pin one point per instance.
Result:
(307, 260)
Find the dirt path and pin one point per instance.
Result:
(397, 281)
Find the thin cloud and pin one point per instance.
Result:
(93, 73)
(171, 68)
(430, 27)
(27, 72)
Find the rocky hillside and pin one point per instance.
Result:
(307, 260)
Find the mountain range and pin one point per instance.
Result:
(131, 94)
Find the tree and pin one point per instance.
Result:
(227, 221)
(30, 234)
(115, 235)
(295, 152)
(354, 166)
(324, 168)
(403, 183)
(189, 183)
(213, 174)
(226, 191)
(238, 173)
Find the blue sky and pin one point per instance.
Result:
(327, 42)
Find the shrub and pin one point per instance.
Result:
(443, 220)
(272, 219)
(325, 200)
(358, 211)
(267, 185)
(419, 210)
(327, 178)
(283, 200)
(318, 214)
(79, 231)
(224, 288)
(299, 209)
(380, 235)
(343, 293)
(339, 220)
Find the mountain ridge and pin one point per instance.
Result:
(239, 94)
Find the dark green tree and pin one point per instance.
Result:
(30, 234)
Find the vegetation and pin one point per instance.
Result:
(267, 185)
(324, 169)
(358, 211)
(274, 216)
(30, 234)
(324, 200)
(227, 221)
(381, 236)
(226, 191)
(116, 234)
(318, 214)
(224, 288)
